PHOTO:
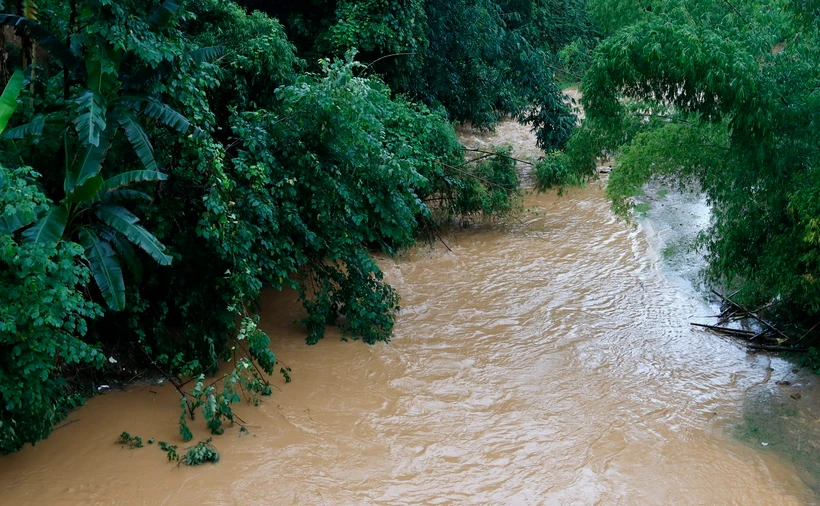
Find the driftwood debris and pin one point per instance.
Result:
(767, 337)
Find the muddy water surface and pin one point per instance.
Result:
(546, 361)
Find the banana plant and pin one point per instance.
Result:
(91, 212)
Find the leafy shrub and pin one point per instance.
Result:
(551, 171)
(43, 314)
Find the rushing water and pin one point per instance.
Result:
(548, 361)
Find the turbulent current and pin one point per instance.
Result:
(547, 360)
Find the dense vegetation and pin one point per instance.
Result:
(163, 161)
(724, 98)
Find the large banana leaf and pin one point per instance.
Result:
(49, 229)
(132, 176)
(138, 139)
(124, 195)
(127, 253)
(163, 15)
(105, 268)
(123, 221)
(86, 191)
(205, 54)
(10, 224)
(33, 127)
(90, 123)
(8, 100)
(88, 165)
(158, 111)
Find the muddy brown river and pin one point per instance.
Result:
(548, 360)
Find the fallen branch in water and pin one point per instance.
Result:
(500, 155)
(726, 330)
(444, 243)
(733, 311)
(752, 314)
(766, 347)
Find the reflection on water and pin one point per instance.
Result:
(549, 361)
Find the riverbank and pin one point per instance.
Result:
(547, 360)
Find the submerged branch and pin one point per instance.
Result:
(491, 153)
(765, 347)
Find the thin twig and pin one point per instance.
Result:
(496, 154)
(171, 381)
(469, 174)
(444, 243)
(387, 56)
(727, 2)
(807, 333)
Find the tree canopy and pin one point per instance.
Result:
(722, 97)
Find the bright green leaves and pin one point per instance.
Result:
(654, 59)
(729, 101)
(90, 120)
(105, 268)
(43, 314)
(8, 100)
(22, 202)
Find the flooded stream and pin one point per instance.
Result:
(548, 360)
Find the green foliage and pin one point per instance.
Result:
(480, 59)
(488, 187)
(552, 171)
(739, 81)
(256, 56)
(130, 441)
(43, 315)
(170, 450)
(184, 430)
(193, 125)
(201, 453)
(8, 100)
